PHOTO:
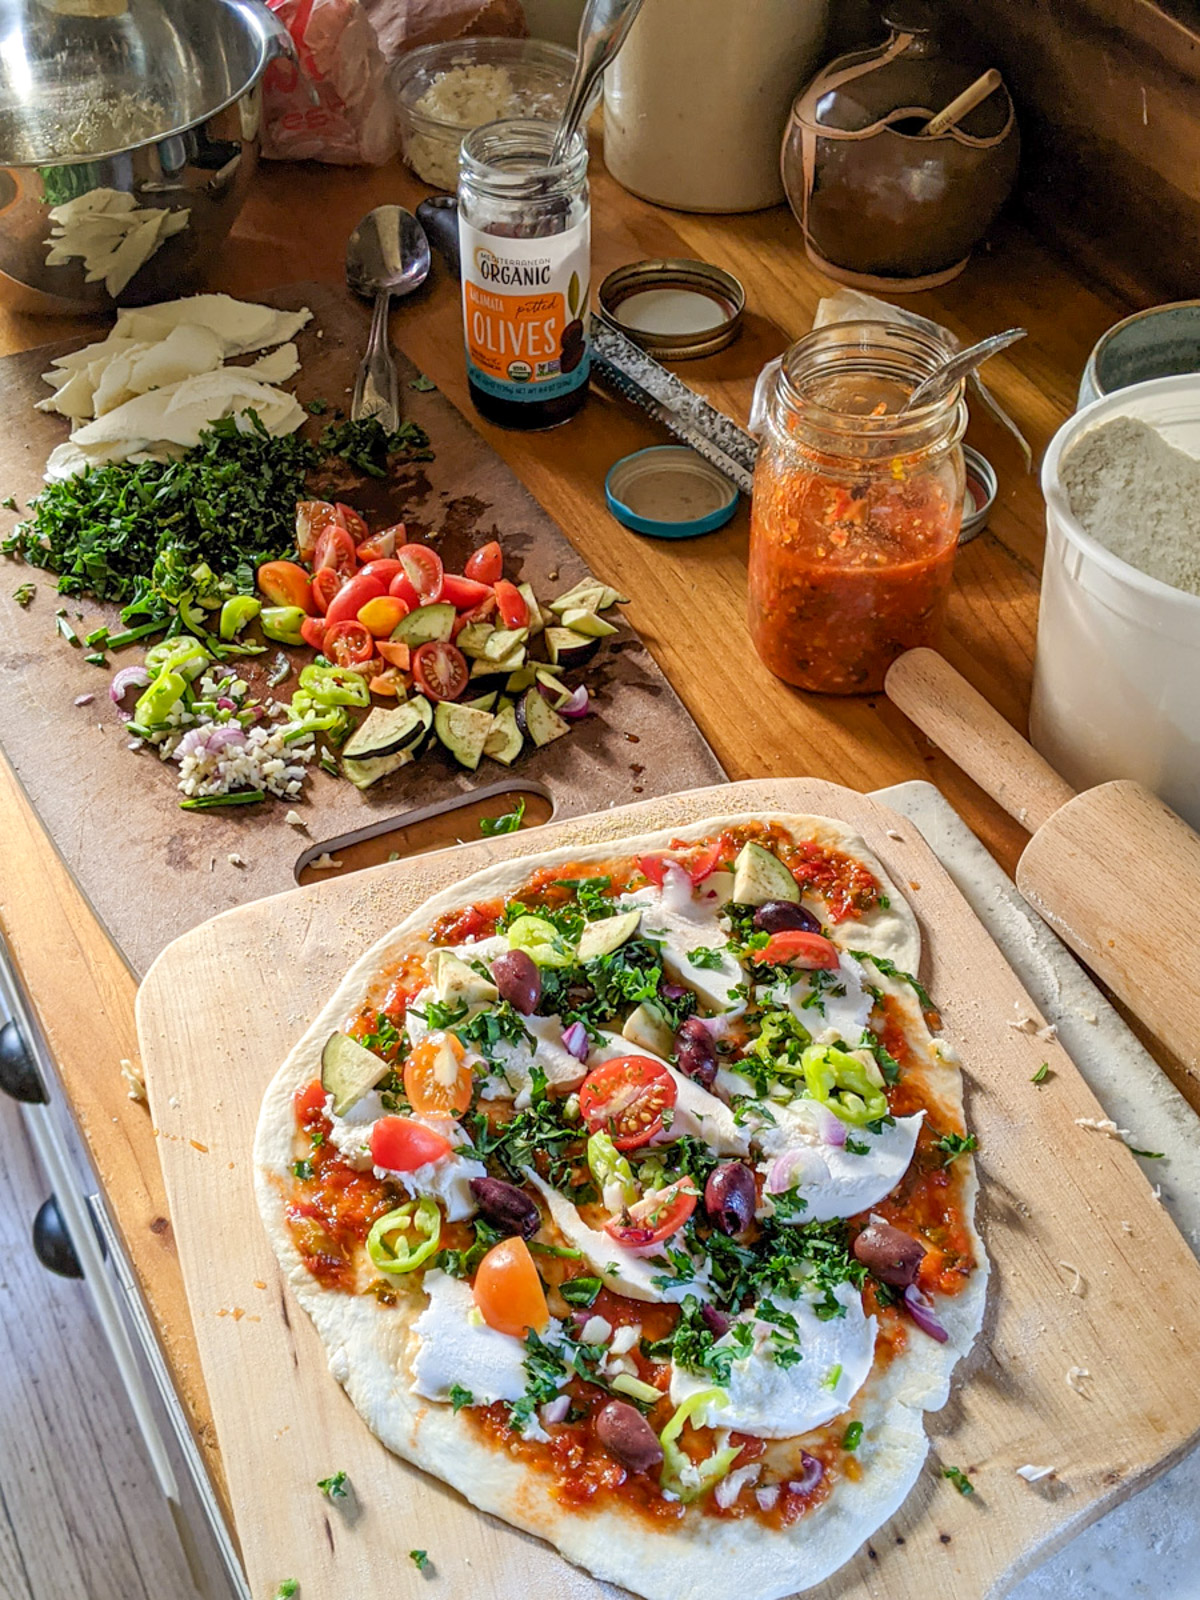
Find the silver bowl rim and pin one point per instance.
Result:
(273, 41)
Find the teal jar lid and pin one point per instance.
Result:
(669, 492)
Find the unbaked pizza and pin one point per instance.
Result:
(630, 1191)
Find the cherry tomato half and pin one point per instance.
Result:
(398, 1144)
(309, 1102)
(285, 584)
(423, 569)
(325, 584)
(384, 568)
(354, 524)
(335, 548)
(798, 949)
(483, 612)
(462, 593)
(653, 869)
(352, 597)
(509, 1292)
(312, 519)
(394, 653)
(485, 564)
(382, 546)
(626, 1098)
(403, 590)
(513, 611)
(440, 670)
(312, 631)
(437, 1078)
(648, 1222)
(391, 683)
(382, 615)
(348, 644)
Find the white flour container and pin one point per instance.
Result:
(1116, 688)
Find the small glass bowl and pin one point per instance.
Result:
(540, 75)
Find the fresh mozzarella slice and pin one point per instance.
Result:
(71, 399)
(277, 367)
(103, 350)
(134, 251)
(455, 1350)
(111, 200)
(178, 413)
(833, 1181)
(621, 1270)
(187, 351)
(240, 325)
(839, 1009)
(780, 1402)
(684, 921)
(697, 1112)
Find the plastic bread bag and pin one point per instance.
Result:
(849, 305)
(402, 25)
(332, 103)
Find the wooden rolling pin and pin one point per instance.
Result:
(1113, 871)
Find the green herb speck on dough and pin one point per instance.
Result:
(419, 1559)
(334, 1487)
(959, 1479)
(24, 593)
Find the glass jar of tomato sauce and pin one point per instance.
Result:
(856, 507)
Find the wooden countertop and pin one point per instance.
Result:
(688, 600)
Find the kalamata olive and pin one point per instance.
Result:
(625, 1434)
(695, 1053)
(730, 1196)
(715, 1320)
(516, 975)
(506, 1207)
(891, 1255)
(781, 916)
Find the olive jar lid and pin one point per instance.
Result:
(669, 492)
(674, 309)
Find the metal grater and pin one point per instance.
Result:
(625, 367)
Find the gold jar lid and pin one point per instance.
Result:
(675, 310)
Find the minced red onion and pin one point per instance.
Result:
(920, 1308)
(576, 1042)
(831, 1127)
(673, 991)
(556, 1410)
(127, 678)
(228, 733)
(794, 1167)
(224, 703)
(715, 1320)
(578, 705)
(84, 699)
(194, 739)
(811, 1473)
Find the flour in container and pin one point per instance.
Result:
(1139, 497)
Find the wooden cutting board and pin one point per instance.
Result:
(151, 870)
(1088, 1271)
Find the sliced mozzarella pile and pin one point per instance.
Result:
(778, 1402)
(622, 1270)
(160, 379)
(458, 1348)
(113, 234)
(832, 1180)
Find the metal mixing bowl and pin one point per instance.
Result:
(174, 85)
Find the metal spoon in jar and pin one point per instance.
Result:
(957, 367)
(386, 255)
(602, 31)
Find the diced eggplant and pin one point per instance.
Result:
(496, 669)
(536, 620)
(587, 622)
(349, 1071)
(558, 691)
(538, 720)
(504, 642)
(387, 730)
(566, 648)
(362, 774)
(454, 980)
(646, 1026)
(473, 638)
(425, 624)
(505, 741)
(602, 938)
(485, 702)
(463, 730)
(523, 678)
(589, 594)
(760, 876)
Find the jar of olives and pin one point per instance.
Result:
(525, 242)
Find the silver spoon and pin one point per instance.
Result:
(386, 255)
(956, 367)
(602, 31)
